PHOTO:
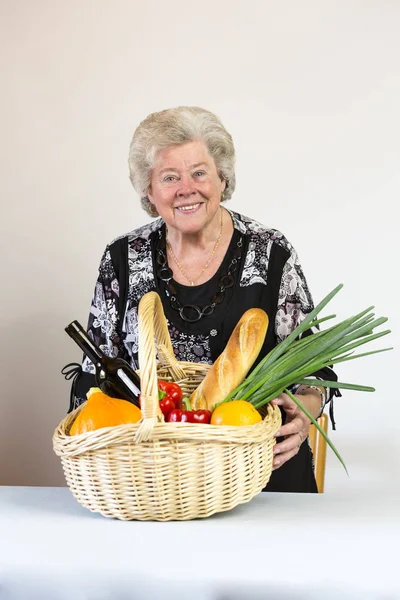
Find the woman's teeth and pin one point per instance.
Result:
(191, 207)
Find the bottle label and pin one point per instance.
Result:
(128, 382)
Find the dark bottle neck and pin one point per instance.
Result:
(88, 347)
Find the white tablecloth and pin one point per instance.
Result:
(278, 547)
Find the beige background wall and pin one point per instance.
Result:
(311, 93)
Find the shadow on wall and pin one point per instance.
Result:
(34, 398)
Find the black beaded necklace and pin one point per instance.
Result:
(190, 312)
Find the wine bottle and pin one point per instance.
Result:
(114, 376)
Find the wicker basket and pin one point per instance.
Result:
(165, 471)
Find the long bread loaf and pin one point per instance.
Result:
(232, 366)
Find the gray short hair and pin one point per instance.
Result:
(176, 126)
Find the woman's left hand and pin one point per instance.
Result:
(295, 430)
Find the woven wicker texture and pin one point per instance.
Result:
(165, 471)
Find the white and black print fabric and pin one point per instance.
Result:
(117, 335)
(269, 277)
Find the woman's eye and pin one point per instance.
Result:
(199, 173)
(169, 178)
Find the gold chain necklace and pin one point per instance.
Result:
(182, 270)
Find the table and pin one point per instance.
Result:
(278, 547)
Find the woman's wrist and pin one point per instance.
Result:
(313, 398)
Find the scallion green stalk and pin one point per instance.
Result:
(296, 359)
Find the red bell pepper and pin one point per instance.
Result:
(189, 416)
(170, 397)
(202, 416)
(171, 390)
(180, 416)
(166, 405)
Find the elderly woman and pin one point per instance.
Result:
(208, 264)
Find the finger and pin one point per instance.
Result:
(297, 424)
(281, 459)
(279, 399)
(290, 443)
(284, 400)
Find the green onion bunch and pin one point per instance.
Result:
(296, 358)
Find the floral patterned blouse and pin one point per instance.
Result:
(269, 276)
(117, 335)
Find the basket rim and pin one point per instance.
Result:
(66, 445)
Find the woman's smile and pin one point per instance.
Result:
(189, 208)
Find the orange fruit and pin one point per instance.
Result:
(235, 412)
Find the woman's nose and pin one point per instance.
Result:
(187, 186)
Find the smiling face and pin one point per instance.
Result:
(185, 187)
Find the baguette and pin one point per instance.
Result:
(233, 364)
